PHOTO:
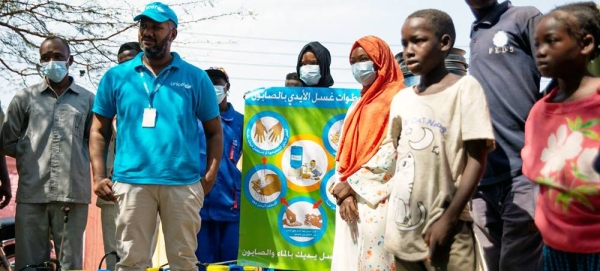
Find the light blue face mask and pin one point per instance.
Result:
(364, 73)
(310, 74)
(220, 91)
(54, 70)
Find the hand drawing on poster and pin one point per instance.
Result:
(302, 221)
(265, 184)
(332, 133)
(267, 133)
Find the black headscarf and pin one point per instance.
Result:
(324, 59)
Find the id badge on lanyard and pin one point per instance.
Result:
(149, 118)
(149, 115)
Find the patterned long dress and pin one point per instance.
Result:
(359, 246)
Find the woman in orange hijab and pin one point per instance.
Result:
(365, 161)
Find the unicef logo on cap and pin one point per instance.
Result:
(155, 6)
(158, 12)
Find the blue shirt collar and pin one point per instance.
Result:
(176, 63)
(494, 15)
(229, 114)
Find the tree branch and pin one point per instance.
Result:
(8, 67)
(92, 29)
(212, 17)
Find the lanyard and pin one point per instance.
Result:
(156, 87)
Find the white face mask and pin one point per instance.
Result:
(310, 74)
(54, 70)
(220, 90)
(364, 72)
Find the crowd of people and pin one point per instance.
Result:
(449, 172)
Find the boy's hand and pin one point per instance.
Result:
(438, 235)
(445, 228)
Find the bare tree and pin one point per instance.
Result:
(91, 28)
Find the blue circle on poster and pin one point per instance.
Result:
(326, 182)
(310, 224)
(264, 185)
(267, 133)
(332, 133)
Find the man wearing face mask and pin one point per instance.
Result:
(221, 211)
(47, 131)
(158, 99)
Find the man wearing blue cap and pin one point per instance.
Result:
(157, 98)
(218, 238)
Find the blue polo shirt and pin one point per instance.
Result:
(223, 201)
(502, 60)
(167, 154)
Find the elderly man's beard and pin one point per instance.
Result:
(159, 50)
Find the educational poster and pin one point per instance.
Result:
(290, 140)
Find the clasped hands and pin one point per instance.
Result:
(345, 199)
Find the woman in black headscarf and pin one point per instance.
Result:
(313, 65)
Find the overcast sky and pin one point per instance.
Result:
(258, 51)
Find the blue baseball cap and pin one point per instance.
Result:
(158, 12)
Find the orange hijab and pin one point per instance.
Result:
(366, 126)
